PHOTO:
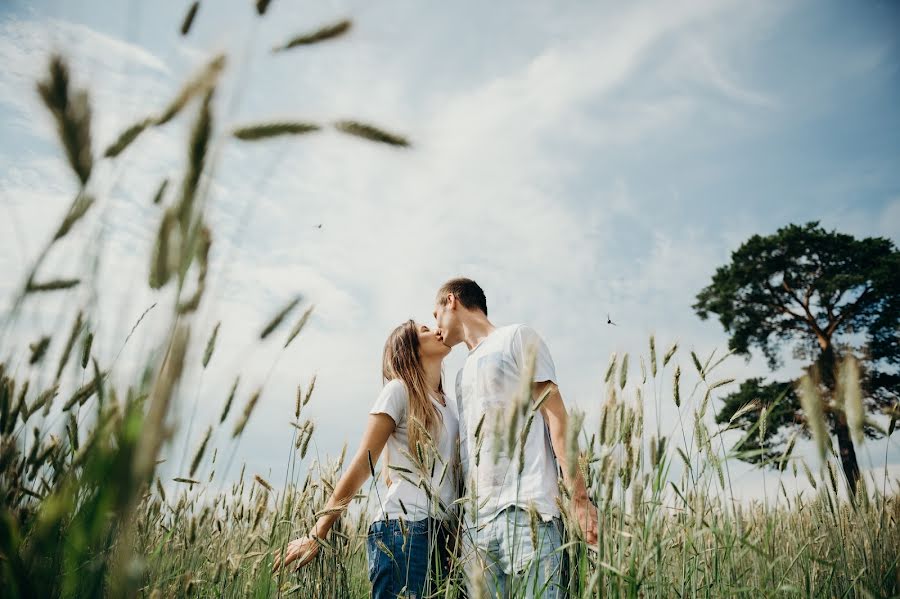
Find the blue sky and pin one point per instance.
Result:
(577, 159)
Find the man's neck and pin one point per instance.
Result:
(475, 329)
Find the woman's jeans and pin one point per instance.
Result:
(406, 563)
(506, 557)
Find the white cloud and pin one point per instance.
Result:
(486, 191)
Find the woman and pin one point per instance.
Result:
(412, 418)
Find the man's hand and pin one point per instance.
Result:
(586, 517)
(304, 549)
(554, 411)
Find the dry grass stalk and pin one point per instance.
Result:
(38, 349)
(160, 192)
(45, 400)
(326, 33)
(198, 455)
(230, 400)
(86, 350)
(671, 352)
(263, 482)
(70, 343)
(189, 481)
(299, 326)
(72, 112)
(852, 398)
(310, 389)
(189, 17)
(611, 368)
(197, 148)
(268, 130)
(248, 410)
(623, 372)
(211, 344)
(371, 133)
(126, 137)
(54, 285)
(82, 394)
(279, 317)
(165, 256)
(812, 408)
(200, 83)
(676, 390)
(204, 244)
(152, 433)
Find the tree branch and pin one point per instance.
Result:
(847, 311)
(823, 338)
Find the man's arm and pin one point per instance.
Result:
(554, 412)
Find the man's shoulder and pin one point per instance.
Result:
(522, 331)
(511, 330)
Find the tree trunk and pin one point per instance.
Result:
(827, 372)
(847, 452)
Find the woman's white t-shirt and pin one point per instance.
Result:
(405, 478)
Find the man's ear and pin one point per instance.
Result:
(451, 301)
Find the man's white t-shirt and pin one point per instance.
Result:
(394, 401)
(489, 381)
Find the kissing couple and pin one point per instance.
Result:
(474, 482)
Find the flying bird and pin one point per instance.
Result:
(609, 321)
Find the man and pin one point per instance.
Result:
(512, 520)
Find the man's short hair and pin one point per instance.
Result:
(466, 291)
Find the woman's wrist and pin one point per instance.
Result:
(323, 525)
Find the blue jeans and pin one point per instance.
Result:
(501, 556)
(406, 565)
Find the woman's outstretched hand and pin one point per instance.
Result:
(303, 548)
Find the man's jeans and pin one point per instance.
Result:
(502, 558)
(406, 565)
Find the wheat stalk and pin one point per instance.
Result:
(326, 33)
(189, 17)
(201, 449)
(267, 130)
(371, 133)
(248, 410)
(279, 317)
(72, 112)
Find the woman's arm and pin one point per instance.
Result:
(378, 429)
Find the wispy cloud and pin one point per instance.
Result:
(568, 171)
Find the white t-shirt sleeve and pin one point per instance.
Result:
(392, 401)
(544, 369)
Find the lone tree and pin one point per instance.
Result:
(825, 295)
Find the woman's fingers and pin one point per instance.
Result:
(304, 549)
(289, 555)
(275, 559)
(307, 553)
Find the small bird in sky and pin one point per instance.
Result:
(319, 226)
(609, 321)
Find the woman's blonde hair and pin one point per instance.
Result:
(402, 361)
